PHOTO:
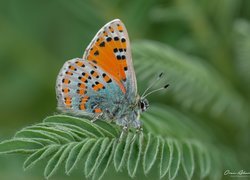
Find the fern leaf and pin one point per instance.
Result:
(99, 147)
(188, 76)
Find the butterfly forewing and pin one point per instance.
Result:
(110, 50)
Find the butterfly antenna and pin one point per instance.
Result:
(152, 84)
(164, 87)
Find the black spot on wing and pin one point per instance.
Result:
(118, 57)
(96, 53)
(115, 50)
(123, 40)
(108, 39)
(102, 44)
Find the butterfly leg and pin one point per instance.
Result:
(138, 131)
(96, 117)
(110, 116)
(124, 130)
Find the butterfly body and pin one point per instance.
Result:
(102, 84)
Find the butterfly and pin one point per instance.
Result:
(102, 84)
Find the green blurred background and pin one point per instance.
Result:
(37, 37)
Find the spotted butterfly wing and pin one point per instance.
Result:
(110, 50)
(85, 89)
(104, 76)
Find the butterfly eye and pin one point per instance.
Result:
(143, 104)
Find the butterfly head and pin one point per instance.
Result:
(143, 104)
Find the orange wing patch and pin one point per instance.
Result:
(66, 90)
(82, 89)
(97, 110)
(83, 101)
(108, 51)
(120, 28)
(68, 101)
(80, 64)
(66, 81)
(98, 86)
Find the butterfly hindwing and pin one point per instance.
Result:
(84, 89)
(110, 50)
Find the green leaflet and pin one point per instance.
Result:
(76, 154)
(150, 153)
(39, 155)
(134, 155)
(204, 161)
(82, 123)
(95, 155)
(105, 161)
(166, 156)
(31, 133)
(39, 134)
(19, 145)
(67, 135)
(176, 160)
(54, 162)
(188, 163)
(121, 152)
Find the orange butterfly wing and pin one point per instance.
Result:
(110, 50)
